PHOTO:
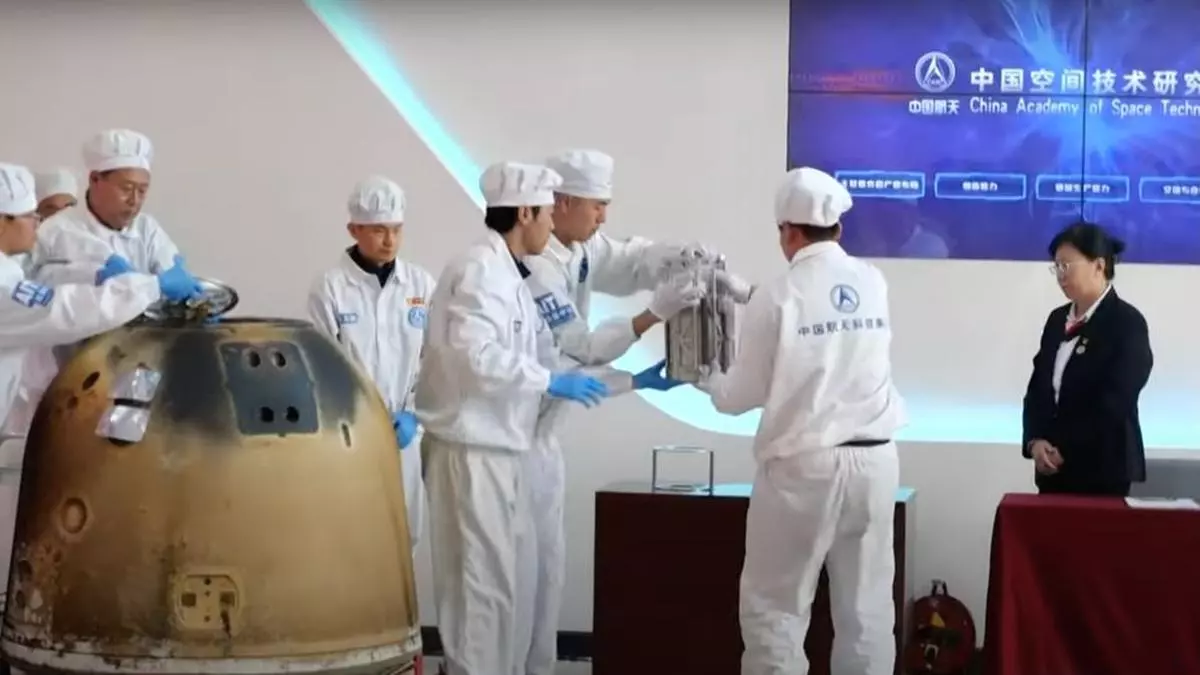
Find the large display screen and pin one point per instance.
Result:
(979, 129)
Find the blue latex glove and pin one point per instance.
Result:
(405, 424)
(177, 284)
(114, 266)
(577, 387)
(654, 378)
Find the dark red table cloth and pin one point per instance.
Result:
(1092, 586)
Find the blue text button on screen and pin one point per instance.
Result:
(1171, 190)
(988, 187)
(1074, 188)
(883, 184)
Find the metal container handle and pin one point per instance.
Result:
(682, 487)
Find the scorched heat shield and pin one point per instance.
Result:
(211, 498)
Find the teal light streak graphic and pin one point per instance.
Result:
(369, 51)
(371, 54)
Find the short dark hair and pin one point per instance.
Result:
(816, 234)
(504, 218)
(1093, 241)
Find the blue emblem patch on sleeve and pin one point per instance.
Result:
(32, 294)
(553, 312)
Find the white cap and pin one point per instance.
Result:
(811, 197)
(516, 184)
(585, 173)
(118, 149)
(376, 201)
(56, 182)
(17, 196)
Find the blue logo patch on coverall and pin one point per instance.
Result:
(553, 312)
(32, 295)
(416, 317)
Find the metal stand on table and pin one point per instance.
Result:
(684, 488)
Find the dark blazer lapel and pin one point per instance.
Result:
(1098, 323)
(1057, 327)
(1098, 327)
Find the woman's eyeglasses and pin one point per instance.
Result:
(1059, 269)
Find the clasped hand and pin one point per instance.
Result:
(654, 378)
(177, 284)
(673, 296)
(114, 266)
(1046, 458)
(738, 288)
(405, 425)
(577, 387)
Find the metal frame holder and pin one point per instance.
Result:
(682, 487)
(4, 438)
(217, 299)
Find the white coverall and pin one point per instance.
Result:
(478, 396)
(33, 317)
(561, 281)
(814, 354)
(71, 247)
(382, 329)
(75, 240)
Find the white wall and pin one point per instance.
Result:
(262, 123)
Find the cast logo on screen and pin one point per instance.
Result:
(935, 72)
(844, 299)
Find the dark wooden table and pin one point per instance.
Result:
(1091, 585)
(666, 582)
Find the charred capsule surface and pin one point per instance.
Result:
(211, 498)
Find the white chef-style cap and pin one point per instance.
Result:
(56, 182)
(118, 149)
(17, 196)
(376, 201)
(516, 184)
(585, 173)
(811, 197)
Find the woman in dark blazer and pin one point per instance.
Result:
(1081, 406)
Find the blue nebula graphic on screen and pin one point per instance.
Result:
(977, 130)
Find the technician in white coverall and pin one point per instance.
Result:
(34, 315)
(108, 231)
(578, 259)
(373, 305)
(478, 396)
(814, 357)
(57, 190)
(110, 221)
